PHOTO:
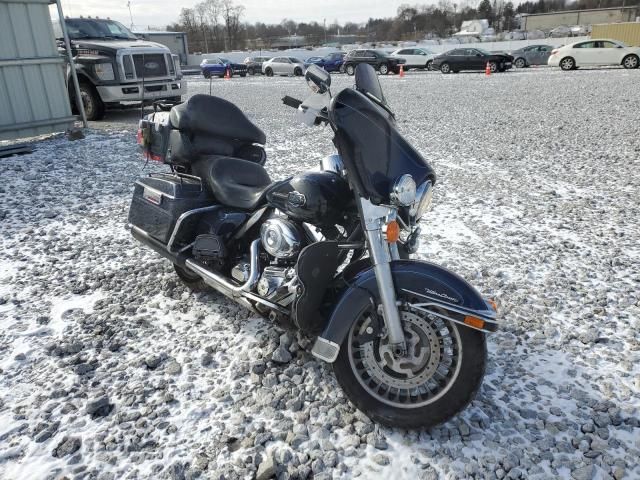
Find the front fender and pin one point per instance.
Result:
(433, 287)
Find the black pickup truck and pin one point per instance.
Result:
(113, 64)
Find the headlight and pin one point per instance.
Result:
(104, 71)
(403, 192)
(423, 200)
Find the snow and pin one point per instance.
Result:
(536, 205)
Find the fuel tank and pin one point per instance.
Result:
(318, 198)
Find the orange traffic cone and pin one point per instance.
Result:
(487, 70)
(227, 75)
(401, 71)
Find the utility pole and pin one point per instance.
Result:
(130, 14)
(325, 31)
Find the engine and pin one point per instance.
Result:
(275, 282)
(281, 238)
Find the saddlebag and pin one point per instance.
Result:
(160, 199)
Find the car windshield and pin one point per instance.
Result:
(95, 28)
(295, 60)
(483, 51)
(224, 60)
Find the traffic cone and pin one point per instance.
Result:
(227, 75)
(401, 71)
(487, 70)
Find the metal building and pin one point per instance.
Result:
(551, 20)
(33, 91)
(628, 33)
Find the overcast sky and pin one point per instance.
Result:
(159, 13)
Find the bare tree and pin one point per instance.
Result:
(201, 13)
(231, 15)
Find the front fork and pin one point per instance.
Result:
(382, 253)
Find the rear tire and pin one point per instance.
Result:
(428, 66)
(350, 69)
(567, 63)
(520, 62)
(383, 69)
(206, 74)
(493, 66)
(297, 72)
(407, 393)
(250, 71)
(445, 68)
(94, 108)
(268, 72)
(191, 280)
(630, 61)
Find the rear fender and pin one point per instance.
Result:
(432, 288)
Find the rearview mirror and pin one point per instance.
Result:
(318, 79)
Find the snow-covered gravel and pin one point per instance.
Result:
(110, 369)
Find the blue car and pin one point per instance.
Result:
(218, 66)
(331, 63)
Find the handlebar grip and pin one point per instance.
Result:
(291, 102)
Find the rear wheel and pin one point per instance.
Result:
(94, 109)
(350, 70)
(438, 377)
(297, 72)
(493, 66)
(520, 63)
(191, 280)
(630, 61)
(250, 71)
(268, 72)
(567, 63)
(445, 68)
(383, 69)
(428, 65)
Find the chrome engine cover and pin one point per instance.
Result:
(280, 238)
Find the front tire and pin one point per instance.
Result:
(206, 74)
(428, 66)
(250, 71)
(567, 63)
(493, 66)
(350, 70)
(383, 69)
(520, 63)
(439, 376)
(630, 61)
(94, 108)
(268, 72)
(297, 72)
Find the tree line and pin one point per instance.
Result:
(216, 25)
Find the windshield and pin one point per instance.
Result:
(224, 60)
(95, 28)
(367, 82)
(483, 51)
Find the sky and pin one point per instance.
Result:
(159, 13)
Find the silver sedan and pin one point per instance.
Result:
(531, 55)
(283, 66)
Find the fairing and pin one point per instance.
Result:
(374, 153)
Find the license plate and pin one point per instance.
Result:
(152, 197)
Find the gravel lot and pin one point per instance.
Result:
(110, 369)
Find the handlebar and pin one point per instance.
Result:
(291, 102)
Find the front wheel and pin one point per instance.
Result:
(493, 66)
(567, 64)
(268, 72)
(428, 66)
(520, 63)
(297, 72)
(94, 108)
(630, 61)
(445, 68)
(250, 71)
(383, 69)
(436, 379)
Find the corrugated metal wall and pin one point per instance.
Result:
(628, 33)
(33, 92)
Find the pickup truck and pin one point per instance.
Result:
(114, 66)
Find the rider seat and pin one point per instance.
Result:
(234, 182)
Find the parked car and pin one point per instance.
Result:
(331, 63)
(471, 59)
(254, 64)
(283, 66)
(531, 55)
(595, 52)
(415, 57)
(218, 66)
(378, 59)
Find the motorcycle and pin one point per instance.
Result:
(325, 252)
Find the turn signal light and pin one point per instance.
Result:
(392, 232)
(473, 322)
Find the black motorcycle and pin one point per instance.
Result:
(326, 252)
